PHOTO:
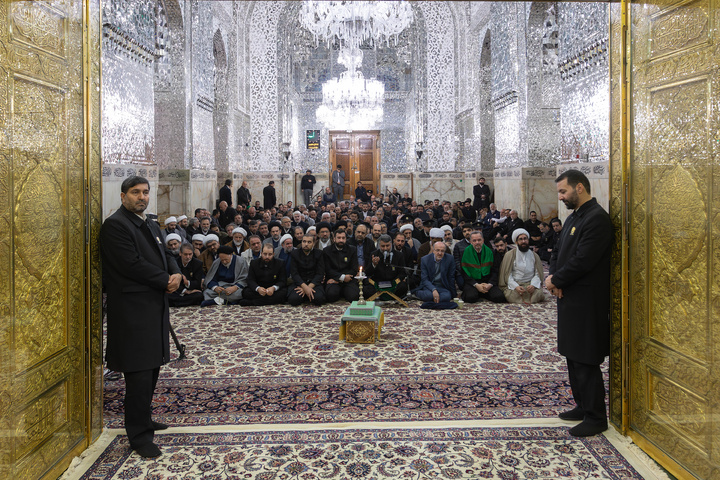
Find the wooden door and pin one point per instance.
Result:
(674, 231)
(49, 79)
(359, 154)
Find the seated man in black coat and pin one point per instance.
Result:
(190, 291)
(364, 246)
(341, 267)
(307, 269)
(386, 269)
(480, 270)
(267, 280)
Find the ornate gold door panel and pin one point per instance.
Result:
(45, 158)
(674, 255)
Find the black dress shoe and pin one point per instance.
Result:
(586, 429)
(148, 451)
(574, 414)
(159, 426)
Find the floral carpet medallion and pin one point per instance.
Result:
(467, 453)
(286, 365)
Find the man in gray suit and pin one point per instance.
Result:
(338, 182)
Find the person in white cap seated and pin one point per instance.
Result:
(209, 255)
(182, 224)
(436, 235)
(237, 242)
(226, 279)
(173, 242)
(448, 237)
(198, 243)
(171, 224)
(412, 242)
(521, 273)
(284, 250)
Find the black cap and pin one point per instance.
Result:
(225, 249)
(406, 219)
(477, 225)
(274, 223)
(322, 225)
(429, 223)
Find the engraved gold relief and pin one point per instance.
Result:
(38, 26)
(44, 389)
(674, 266)
(680, 28)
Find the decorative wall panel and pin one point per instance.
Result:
(44, 156)
(674, 288)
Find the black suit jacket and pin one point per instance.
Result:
(478, 201)
(193, 272)
(226, 195)
(368, 247)
(243, 196)
(269, 197)
(580, 266)
(136, 270)
(267, 275)
(383, 271)
(340, 262)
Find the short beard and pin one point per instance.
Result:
(523, 248)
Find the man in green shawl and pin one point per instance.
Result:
(480, 267)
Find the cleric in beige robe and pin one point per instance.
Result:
(521, 273)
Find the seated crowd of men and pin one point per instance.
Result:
(254, 256)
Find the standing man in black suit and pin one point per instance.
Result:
(138, 273)
(481, 195)
(307, 183)
(226, 193)
(243, 195)
(580, 278)
(269, 197)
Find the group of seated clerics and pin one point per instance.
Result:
(298, 260)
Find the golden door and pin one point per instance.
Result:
(672, 251)
(50, 213)
(359, 154)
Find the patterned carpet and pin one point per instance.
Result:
(455, 453)
(286, 365)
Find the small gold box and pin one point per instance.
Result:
(361, 323)
(358, 331)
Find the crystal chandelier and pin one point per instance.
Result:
(351, 101)
(355, 22)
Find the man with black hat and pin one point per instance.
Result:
(341, 267)
(275, 229)
(267, 280)
(307, 183)
(226, 278)
(324, 234)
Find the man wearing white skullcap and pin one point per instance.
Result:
(198, 243)
(521, 273)
(448, 237)
(171, 226)
(436, 235)
(238, 242)
(284, 250)
(182, 221)
(173, 242)
(209, 255)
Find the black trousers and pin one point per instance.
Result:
(177, 300)
(470, 294)
(294, 299)
(350, 291)
(588, 391)
(277, 297)
(139, 389)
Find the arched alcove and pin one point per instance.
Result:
(543, 85)
(220, 111)
(487, 111)
(169, 83)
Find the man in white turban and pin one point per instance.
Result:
(238, 242)
(173, 242)
(209, 255)
(436, 235)
(521, 273)
(171, 226)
